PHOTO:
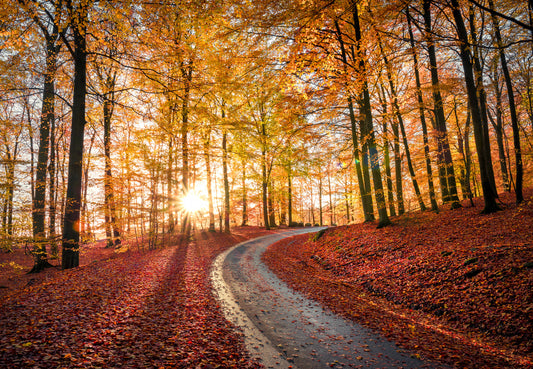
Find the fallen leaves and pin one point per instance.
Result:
(455, 286)
(136, 310)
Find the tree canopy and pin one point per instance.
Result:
(265, 113)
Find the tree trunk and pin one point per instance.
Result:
(170, 181)
(226, 181)
(347, 191)
(512, 107)
(7, 213)
(47, 118)
(186, 71)
(52, 202)
(207, 157)
(244, 195)
(289, 193)
(71, 232)
(498, 129)
(463, 180)
(398, 167)
(386, 154)
(271, 207)
(421, 108)
(468, 158)
(320, 214)
(366, 198)
(86, 232)
(264, 174)
(366, 112)
(481, 94)
(109, 198)
(395, 125)
(482, 144)
(399, 116)
(331, 209)
(444, 158)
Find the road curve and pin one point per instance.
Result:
(283, 328)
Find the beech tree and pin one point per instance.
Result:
(511, 99)
(444, 158)
(421, 110)
(49, 18)
(78, 19)
(482, 142)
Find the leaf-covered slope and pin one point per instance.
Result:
(455, 286)
(138, 310)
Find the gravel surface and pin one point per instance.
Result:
(283, 328)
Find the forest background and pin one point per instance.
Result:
(133, 120)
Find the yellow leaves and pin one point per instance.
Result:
(12, 264)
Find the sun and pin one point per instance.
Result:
(192, 202)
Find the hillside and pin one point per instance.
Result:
(455, 286)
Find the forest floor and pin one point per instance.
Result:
(456, 287)
(136, 309)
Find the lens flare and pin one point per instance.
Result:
(192, 202)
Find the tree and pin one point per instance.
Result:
(386, 151)
(421, 109)
(512, 106)
(207, 157)
(482, 143)
(444, 158)
(78, 18)
(366, 123)
(11, 140)
(48, 17)
(363, 179)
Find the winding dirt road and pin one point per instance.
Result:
(284, 329)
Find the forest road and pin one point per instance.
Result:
(283, 328)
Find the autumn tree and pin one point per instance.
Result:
(77, 46)
(444, 158)
(481, 138)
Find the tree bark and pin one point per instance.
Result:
(421, 108)
(398, 167)
(444, 157)
(113, 238)
(47, 118)
(271, 208)
(226, 182)
(264, 174)
(498, 129)
(320, 213)
(289, 193)
(71, 224)
(399, 116)
(207, 157)
(244, 195)
(386, 153)
(366, 196)
(366, 112)
(481, 93)
(482, 144)
(52, 201)
(331, 208)
(186, 72)
(512, 106)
